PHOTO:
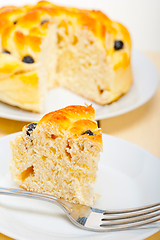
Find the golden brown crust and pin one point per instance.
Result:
(23, 29)
(22, 90)
(70, 113)
(74, 120)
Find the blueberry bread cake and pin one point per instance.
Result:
(44, 46)
(59, 155)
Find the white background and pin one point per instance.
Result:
(141, 17)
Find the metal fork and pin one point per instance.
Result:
(95, 219)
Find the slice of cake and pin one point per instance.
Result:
(44, 46)
(59, 155)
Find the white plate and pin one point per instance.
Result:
(143, 88)
(125, 179)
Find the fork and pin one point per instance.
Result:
(95, 219)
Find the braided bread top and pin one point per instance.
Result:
(22, 30)
(73, 121)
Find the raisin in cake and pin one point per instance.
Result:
(59, 155)
(44, 46)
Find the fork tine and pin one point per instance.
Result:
(128, 215)
(130, 220)
(131, 209)
(128, 226)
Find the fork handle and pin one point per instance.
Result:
(46, 197)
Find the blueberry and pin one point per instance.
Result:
(118, 45)
(5, 51)
(28, 59)
(88, 132)
(44, 21)
(30, 128)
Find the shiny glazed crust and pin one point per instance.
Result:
(23, 29)
(73, 120)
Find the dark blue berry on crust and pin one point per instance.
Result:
(5, 51)
(118, 45)
(28, 59)
(44, 21)
(30, 128)
(88, 132)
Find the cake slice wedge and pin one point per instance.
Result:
(59, 155)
